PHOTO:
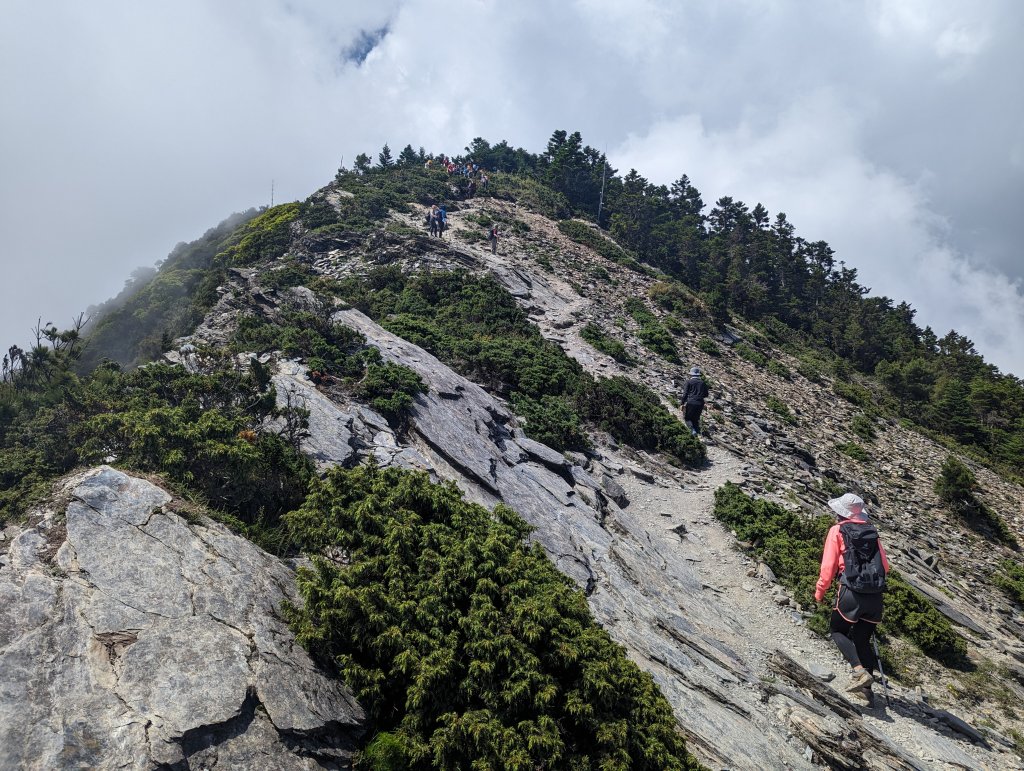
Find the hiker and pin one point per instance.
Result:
(432, 220)
(695, 391)
(442, 222)
(854, 551)
(493, 238)
(471, 189)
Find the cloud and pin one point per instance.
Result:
(132, 127)
(809, 164)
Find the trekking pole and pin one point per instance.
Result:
(878, 660)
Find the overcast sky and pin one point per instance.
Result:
(893, 129)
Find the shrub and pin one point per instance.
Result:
(632, 413)
(781, 409)
(955, 487)
(462, 640)
(597, 337)
(811, 369)
(708, 346)
(263, 238)
(652, 334)
(863, 426)
(855, 451)
(748, 353)
(853, 393)
(589, 236)
(779, 369)
(1009, 577)
(476, 327)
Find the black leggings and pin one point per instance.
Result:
(854, 619)
(854, 641)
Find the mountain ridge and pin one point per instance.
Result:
(563, 286)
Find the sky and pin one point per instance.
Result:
(892, 129)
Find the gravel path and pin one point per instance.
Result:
(664, 505)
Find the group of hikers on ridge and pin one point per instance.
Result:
(437, 222)
(853, 556)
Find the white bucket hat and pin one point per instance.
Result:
(848, 505)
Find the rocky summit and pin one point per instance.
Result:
(136, 631)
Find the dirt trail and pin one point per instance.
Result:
(680, 517)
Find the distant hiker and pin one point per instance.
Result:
(493, 238)
(695, 391)
(471, 190)
(854, 551)
(432, 220)
(442, 221)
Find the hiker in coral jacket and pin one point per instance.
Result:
(854, 552)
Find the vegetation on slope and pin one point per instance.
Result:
(466, 645)
(209, 433)
(157, 306)
(475, 325)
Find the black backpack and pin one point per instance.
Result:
(863, 570)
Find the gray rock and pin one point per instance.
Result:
(766, 573)
(146, 640)
(329, 438)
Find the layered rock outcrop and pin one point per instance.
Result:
(133, 636)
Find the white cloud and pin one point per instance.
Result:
(811, 166)
(130, 127)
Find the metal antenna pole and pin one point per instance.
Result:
(271, 194)
(600, 203)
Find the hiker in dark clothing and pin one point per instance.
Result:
(856, 613)
(493, 238)
(442, 222)
(695, 391)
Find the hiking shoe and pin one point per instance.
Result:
(860, 680)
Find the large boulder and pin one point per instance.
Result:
(134, 637)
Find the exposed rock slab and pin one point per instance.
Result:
(633, 585)
(131, 638)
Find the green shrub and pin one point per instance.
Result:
(779, 369)
(708, 346)
(597, 337)
(748, 353)
(673, 325)
(853, 393)
(632, 413)
(589, 236)
(390, 388)
(811, 369)
(855, 451)
(476, 326)
(1009, 577)
(206, 433)
(781, 409)
(863, 426)
(462, 640)
(791, 545)
(263, 238)
(553, 420)
(652, 334)
(955, 487)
